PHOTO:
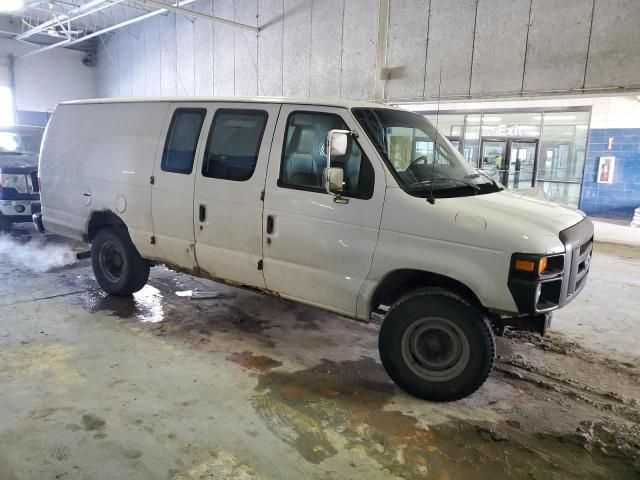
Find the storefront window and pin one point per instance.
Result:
(562, 155)
(524, 149)
(511, 125)
(471, 140)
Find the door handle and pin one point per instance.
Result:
(203, 213)
(269, 224)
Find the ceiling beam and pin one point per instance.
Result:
(175, 8)
(190, 13)
(82, 11)
(67, 43)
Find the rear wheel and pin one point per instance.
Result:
(437, 346)
(117, 265)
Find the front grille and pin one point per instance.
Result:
(581, 261)
(578, 241)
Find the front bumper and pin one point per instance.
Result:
(19, 210)
(537, 295)
(37, 221)
(539, 323)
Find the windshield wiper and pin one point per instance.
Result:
(447, 179)
(491, 179)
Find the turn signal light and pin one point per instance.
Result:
(542, 265)
(525, 266)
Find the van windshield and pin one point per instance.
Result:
(18, 143)
(422, 160)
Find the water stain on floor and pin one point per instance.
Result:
(254, 362)
(92, 422)
(195, 321)
(346, 405)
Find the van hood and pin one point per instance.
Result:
(517, 208)
(530, 224)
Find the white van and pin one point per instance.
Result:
(352, 207)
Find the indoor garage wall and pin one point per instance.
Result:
(320, 48)
(480, 48)
(42, 81)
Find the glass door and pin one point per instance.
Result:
(493, 159)
(522, 163)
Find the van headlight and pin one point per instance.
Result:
(537, 265)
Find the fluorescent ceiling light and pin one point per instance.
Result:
(11, 5)
(582, 127)
(491, 119)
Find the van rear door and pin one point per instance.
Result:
(228, 195)
(173, 183)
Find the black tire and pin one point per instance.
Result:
(117, 265)
(5, 224)
(436, 346)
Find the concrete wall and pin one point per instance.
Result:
(321, 48)
(480, 48)
(42, 81)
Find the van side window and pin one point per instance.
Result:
(304, 158)
(182, 140)
(233, 144)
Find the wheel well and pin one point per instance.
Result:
(101, 219)
(400, 282)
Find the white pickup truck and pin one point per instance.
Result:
(352, 207)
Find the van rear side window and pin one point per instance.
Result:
(234, 143)
(182, 140)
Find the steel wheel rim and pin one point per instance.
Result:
(435, 349)
(111, 261)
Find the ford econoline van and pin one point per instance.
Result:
(352, 207)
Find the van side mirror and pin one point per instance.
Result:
(336, 144)
(337, 141)
(334, 180)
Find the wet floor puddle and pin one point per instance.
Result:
(172, 306)
(147, 305)
(162, 306)
(336, 406)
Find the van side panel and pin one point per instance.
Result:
(432, 238)
(100, 157)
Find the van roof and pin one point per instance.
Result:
(325, 102)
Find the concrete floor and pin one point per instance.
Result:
(243, 386)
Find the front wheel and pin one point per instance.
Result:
(117, 265)
(436, 346)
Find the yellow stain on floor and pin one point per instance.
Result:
(50, 361)
(222, 466)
